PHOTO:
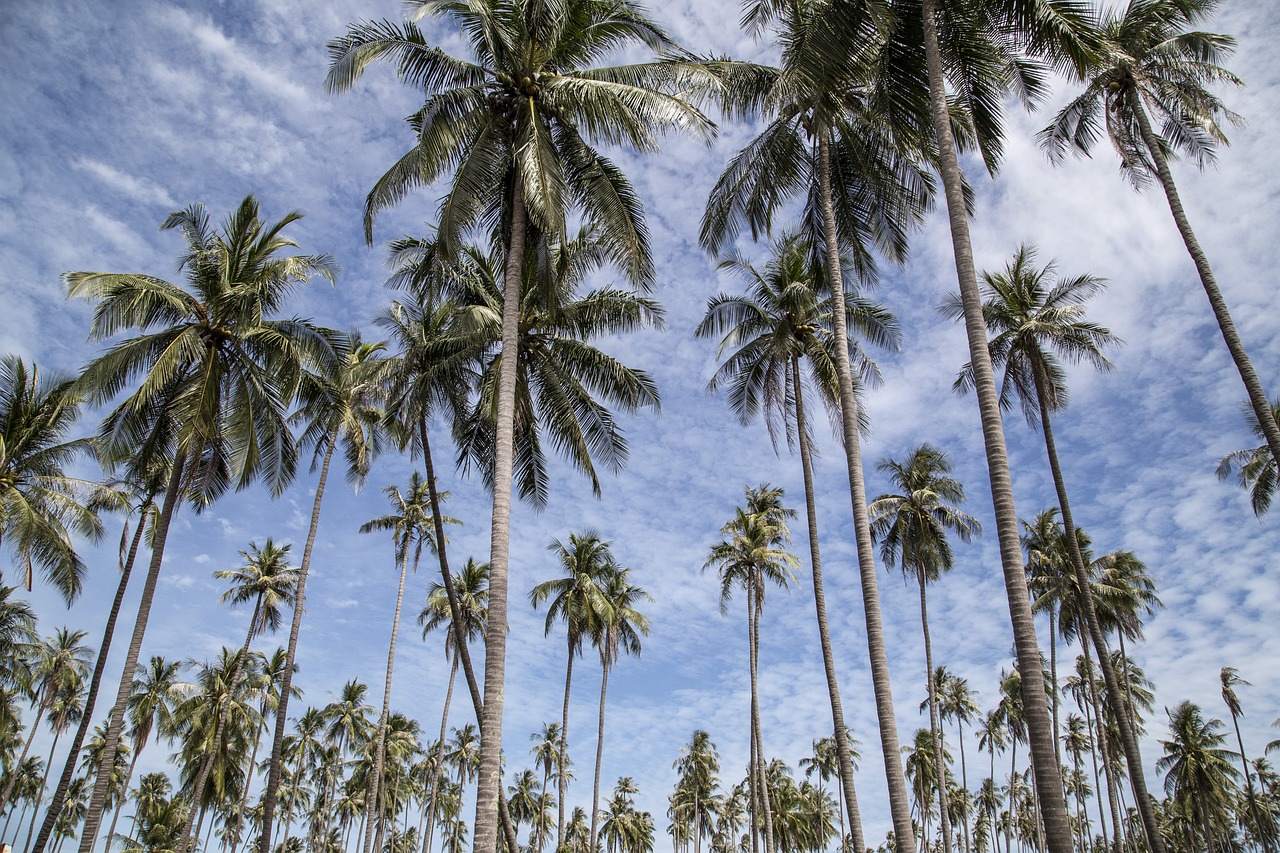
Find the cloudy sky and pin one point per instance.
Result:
(116, 115)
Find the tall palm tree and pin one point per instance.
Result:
(340, 407)
(978, 52)
(410, 532)
(1198, 772)
(695, 802)
(749, 555)
(1255, 468)
(40, 505)
(269, 581)
(578, 600)
(547, 753)
(956, 702)
(861, 188)
(514, 124)
(1037, 318)
(218, 374)
(912, 527)
(618, 633)
(1231, 679)
(782, 319)
(1153, 64)
(471, 586)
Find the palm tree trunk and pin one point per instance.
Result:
(561, 781)
(124, 790)
(489, 785)
(44, 782)
(460, 635)
(1053, 676)
(97, 802)
(935, 728)
(1253, 387)
(1039, 727)
(964, 783)
(1097, 777)
(756, 729)
(753, 760)
(899, 801)
(291, 653)
(444, 730)
(843, 756)
(1248, 781)
(100, 665)
(17, 765)
(595, 793)
(384, 720)
(1115, 696)
(1100, 720)
(248, 775)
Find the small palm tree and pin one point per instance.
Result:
(1231, 679)
(1198, 772)
(1255, 468)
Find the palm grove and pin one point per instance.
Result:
(206, 385)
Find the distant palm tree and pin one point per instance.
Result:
(1231, 679)
(750, 555)
(1152, 62)
(578, 600)
(1199, 775)
(219, 374)
(956, 702)
(912, 527)
(695, 803)
(40, 505)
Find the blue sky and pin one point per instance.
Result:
(117, 115)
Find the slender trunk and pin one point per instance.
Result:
(1115, 696)
(44, 782)
(1116, 826)
(489, 785)
(383, 721)
(293, 795)
(753, 779)
(435, 778)
(1097, 776)
(561, 781)
(459, 635)
(1040, 735)
(595, 792)
(899, 801)
(124, 789)
(286, 682)
(1252, 385)
(964, 783)
(935, 727)
(86, 719)
(248, 775)
(849, 796)
(97, 802)
(756, 729)
(223, 711)
(1248, 781)
(1053, 676)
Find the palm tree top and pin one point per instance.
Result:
(266, 579)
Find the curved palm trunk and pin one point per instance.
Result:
(286, 682)
(100, 665)
(1053, 806)
(1257, 398)
(562, 783)
(843, 756)
(935, 728)
(899, 801)
(1115, 695)
(381, 745)
(459, 635)
(223, 712)
(489, 784)
(595, 791)
(444, 730)
(97, 802)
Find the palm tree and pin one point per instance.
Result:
(547, 753)
(515, 125)
(471, 587)
(977, 51)
(1255, 468)
(695, 803)
(1152, 63)
(40, 506)
(268, 580)
(578, 600)
(862, 188)
(783, 318)
(956, 702)
(217, 373)
(1231, 679)
(409, 532)
(912, 527)
(1198, 772)
(340, 406)
(748, 556)
(618, 632)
